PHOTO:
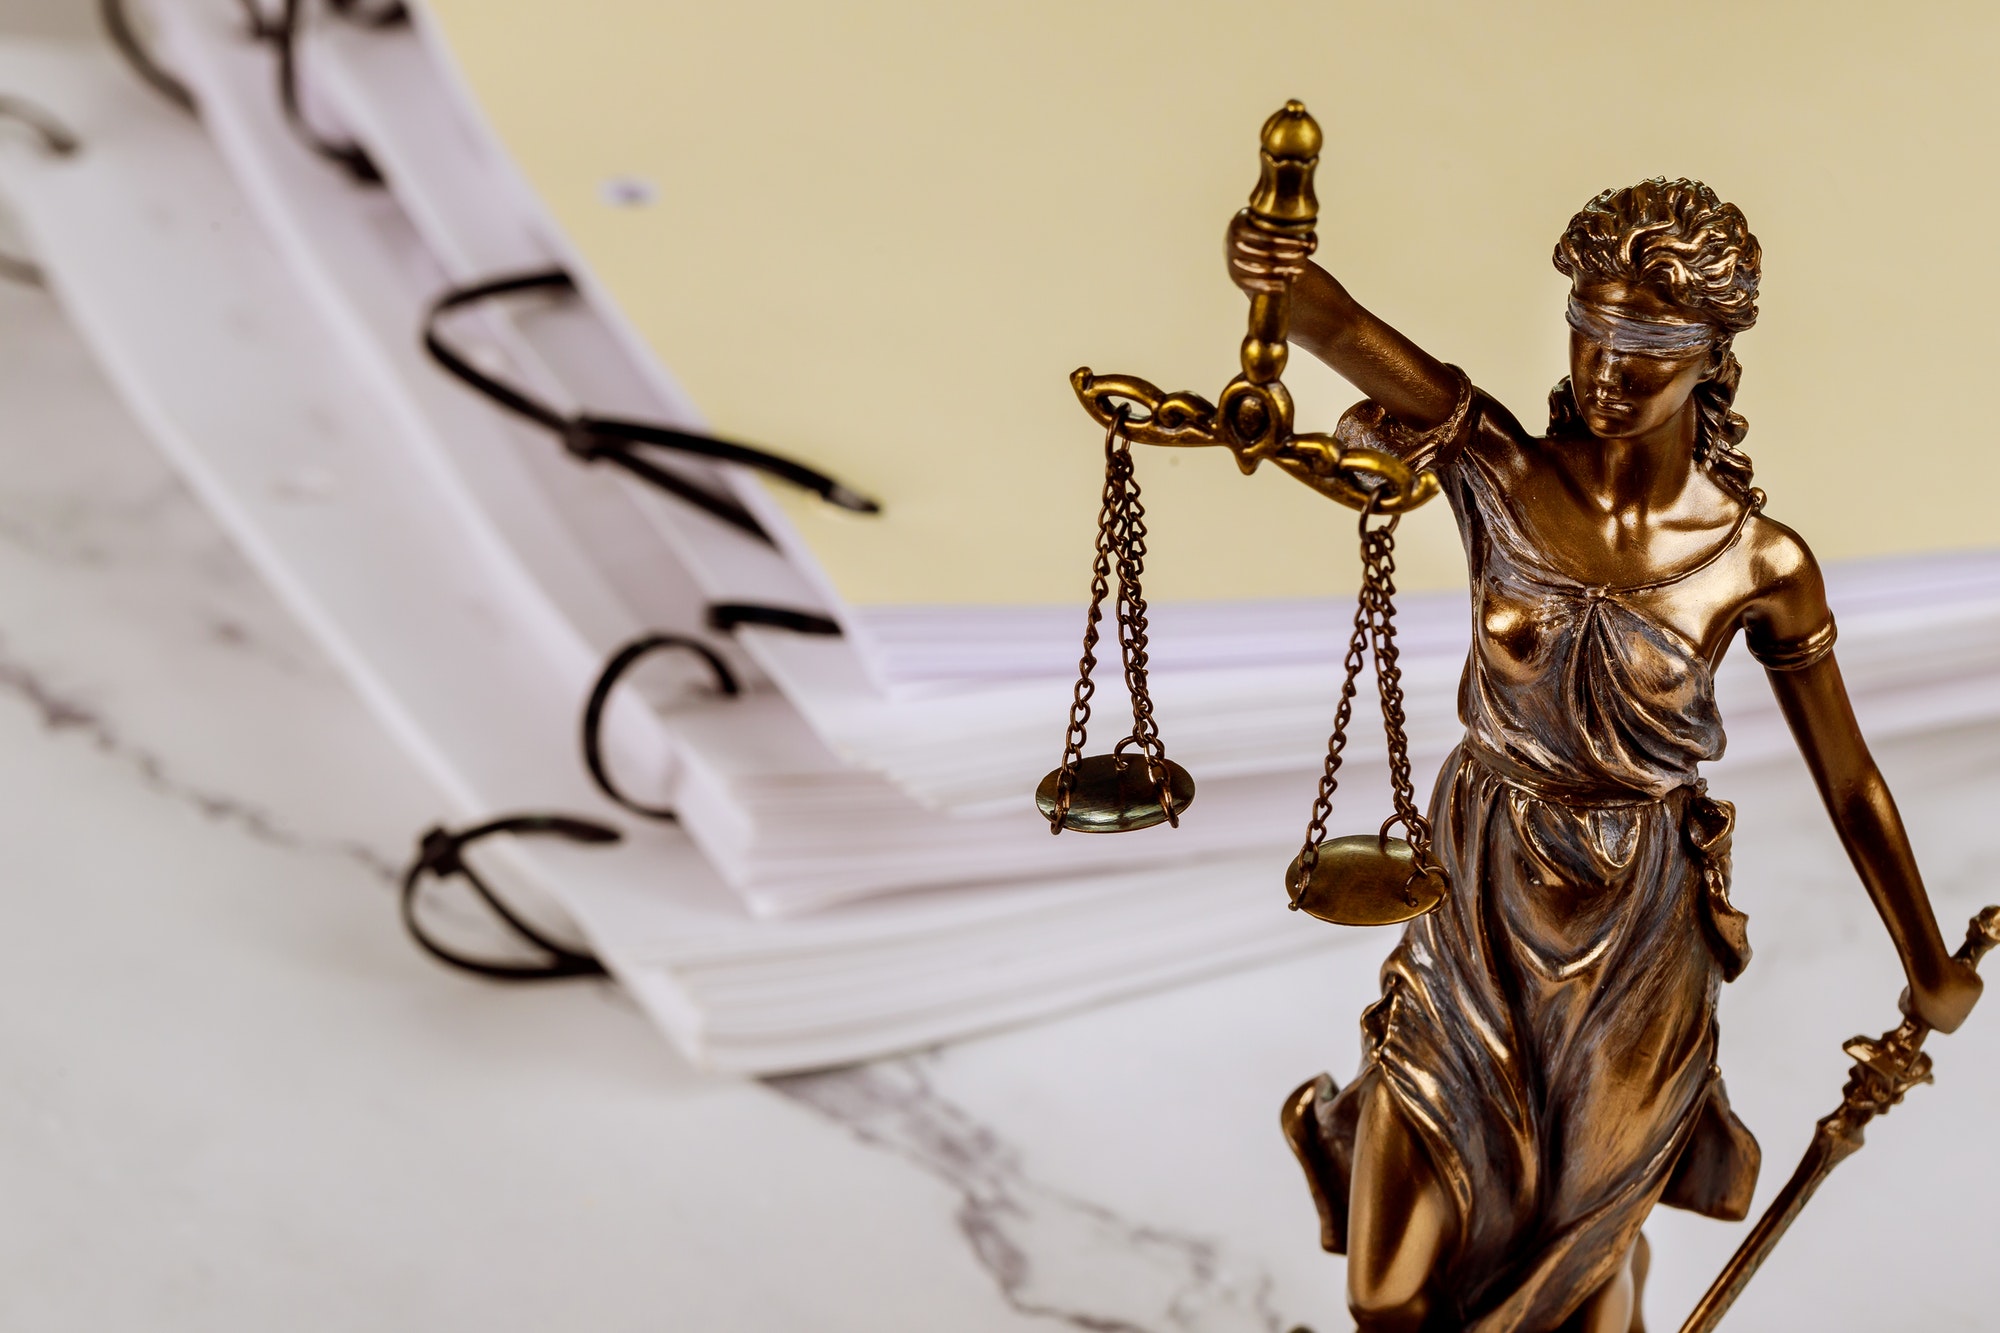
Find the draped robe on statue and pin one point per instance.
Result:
(1549, 1032)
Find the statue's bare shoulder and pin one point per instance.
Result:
(1787, 597)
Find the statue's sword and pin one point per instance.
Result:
(1885, 1068)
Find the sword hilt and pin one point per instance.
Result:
(1885, 1068)
(1981, 937)
(1888, 1066)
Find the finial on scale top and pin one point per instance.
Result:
(1443, 1125)
(1284, 199)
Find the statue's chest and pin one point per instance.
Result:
(1537, 637)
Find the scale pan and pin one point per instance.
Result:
(1368, 880)
(1112, 793)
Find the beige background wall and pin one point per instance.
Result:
(887, 232)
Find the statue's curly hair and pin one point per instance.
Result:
(1680, 239)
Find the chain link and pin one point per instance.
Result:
(1132, 642)
(1378, 555)
(1374, 630)
(1111, 506)
(1121, 548)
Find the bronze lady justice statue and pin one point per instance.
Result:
(1540, 1070)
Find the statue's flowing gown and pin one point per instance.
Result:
(1549, 1032)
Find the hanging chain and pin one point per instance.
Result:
(1329, 778)
(1111, 508)
(1378, 559)
(1374, 628)
(1132, 634)
(1121, 546)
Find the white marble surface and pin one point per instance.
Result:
(233, 1097)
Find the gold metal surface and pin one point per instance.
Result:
(1366, 880)
(1558, 1004)
(1886, 1068)
(1116, 793)
(1614, 558)
(1253, 416)
(1374, 633)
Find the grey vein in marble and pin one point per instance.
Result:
(1053, 1255)
(61, 714)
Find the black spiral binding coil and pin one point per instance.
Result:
(441, 855)
(594, 439)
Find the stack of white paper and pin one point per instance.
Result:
(861, 867)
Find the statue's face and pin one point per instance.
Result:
(1626, 392)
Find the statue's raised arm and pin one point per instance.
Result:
(1415, 387)
(1269, 244)
(1541, 1070)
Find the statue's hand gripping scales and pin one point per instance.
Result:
(1253, 415)
(1540, 1069)
(1361, 880)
